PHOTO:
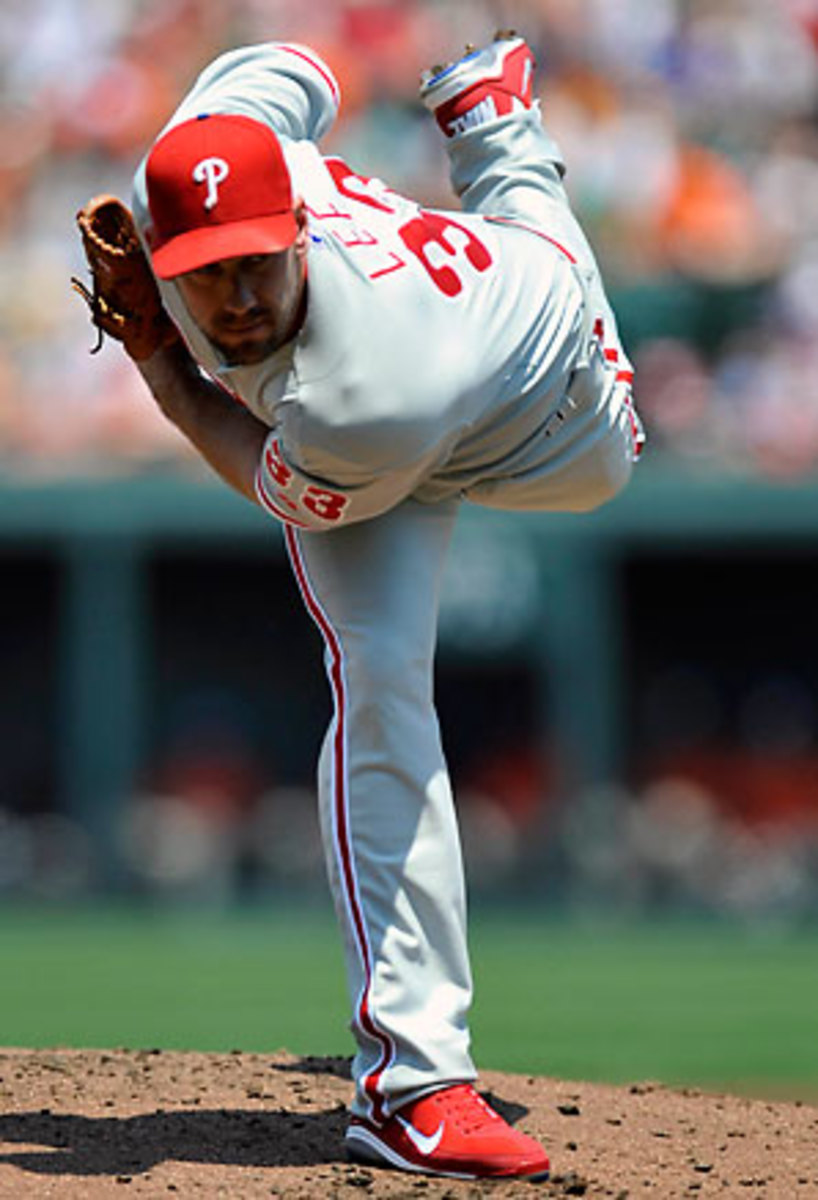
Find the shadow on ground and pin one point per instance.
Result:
(76, 1145)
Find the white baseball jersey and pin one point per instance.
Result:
(442, 353)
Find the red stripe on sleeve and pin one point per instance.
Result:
(322, 70)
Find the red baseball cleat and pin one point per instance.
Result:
(451, 1132)
(483, 86)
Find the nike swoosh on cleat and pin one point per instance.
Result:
(425, 1144)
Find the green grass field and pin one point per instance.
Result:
(704, 1006)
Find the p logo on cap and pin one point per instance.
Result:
(218, 187)
(211, 171)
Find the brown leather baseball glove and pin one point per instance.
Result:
(123, 300)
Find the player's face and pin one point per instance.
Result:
(250, 306)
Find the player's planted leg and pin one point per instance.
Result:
(387, 817)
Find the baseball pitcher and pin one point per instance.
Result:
(360, 366)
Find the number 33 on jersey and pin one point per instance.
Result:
(446, 249)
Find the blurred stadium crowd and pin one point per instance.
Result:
(690, 131)
(690, 128)
(670, 850)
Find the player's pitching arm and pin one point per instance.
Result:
(251, 457)
(227, 436)
(125, 303)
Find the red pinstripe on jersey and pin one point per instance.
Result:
(321, 68)
(532, 229)
(363, 1016)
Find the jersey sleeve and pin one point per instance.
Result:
(286, 85)
(306, 501)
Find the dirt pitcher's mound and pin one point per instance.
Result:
(120, 1123)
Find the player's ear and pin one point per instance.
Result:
(302, 237)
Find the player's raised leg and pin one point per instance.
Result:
(503, 162)
(482, 86)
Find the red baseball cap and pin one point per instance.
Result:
(218, 187)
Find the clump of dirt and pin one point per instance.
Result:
(84, 1124)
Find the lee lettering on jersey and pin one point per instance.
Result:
(449, 252)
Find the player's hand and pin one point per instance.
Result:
(123, 299)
